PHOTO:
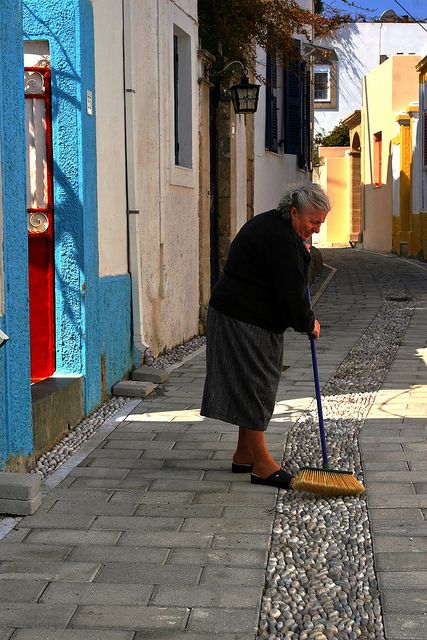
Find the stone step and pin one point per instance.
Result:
(20, 493)
(150, 374)
(133, 389)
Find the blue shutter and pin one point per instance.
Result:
(305, 156)
(271, 126)
(293, 105)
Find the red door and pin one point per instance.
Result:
(38, 126)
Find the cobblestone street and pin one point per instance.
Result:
(151, 537)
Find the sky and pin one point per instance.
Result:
(418, 8)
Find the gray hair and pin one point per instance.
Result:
(303, 197)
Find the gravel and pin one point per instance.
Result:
(51, 460)
(320, 579)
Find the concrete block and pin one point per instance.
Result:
(19, 486)
(143, 573)
(122, 617)
(241, 541)
(133, 389)
(31, 615)
(406, 626)
(168, 539)
(150, 374)
(233, 575)
(28, 551)
(224, 620)
(133, 523)
(208, 596)
(71, 634)
(21, 590)
(20, 507)
(221, 557)
(50, 570)
(73, 536)
(97, 593)
(113, 553)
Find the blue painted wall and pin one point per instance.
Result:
(115, 323)
(92, 314)
(15, 392)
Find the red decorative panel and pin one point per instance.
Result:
(38, 124)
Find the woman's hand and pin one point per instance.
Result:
(316, 330)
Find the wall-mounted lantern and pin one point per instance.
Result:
(245, 94)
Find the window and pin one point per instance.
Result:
(182, 97)
(322, 83)
(271, 107)
(377, 158)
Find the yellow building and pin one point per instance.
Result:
(385, 170)
(409, 161)
(333, 175)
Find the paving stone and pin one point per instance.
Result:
(18, 551)
(99, 472)
(241, 541)
(397, 544)
(71, 634)
(105, 483)
(28, 614)
(185, 635)
(409, 601)
(114, 553)
(405, 626)
(186, 485)
(209, 596)
(57, 521)
(231, 499)
(143, 573)
(133, 618)
(224, 557)
(401, 561)
(180, 511)
(83, 593)
(21, 590)
(184, 539)
(228, 525)
(51, 570)
(137, 523)
(72, 536)
(243, 576)
(164, 474)
(96, 507)
(223, 620)
(155, 497)
(116, 445)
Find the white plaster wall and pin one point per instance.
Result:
(110, 137)
(358, 47)
(167, 196)
(274, 172)
(241, 173)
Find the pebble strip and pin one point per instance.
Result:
(320, 579)
(50, 461)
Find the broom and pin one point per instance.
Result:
(325, 481)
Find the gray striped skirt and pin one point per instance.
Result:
(243, 368)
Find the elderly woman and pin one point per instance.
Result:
(261, 293)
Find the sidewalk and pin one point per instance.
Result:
(152, 538)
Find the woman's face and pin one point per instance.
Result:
(307, 222)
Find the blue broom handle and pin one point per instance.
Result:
(318, 396)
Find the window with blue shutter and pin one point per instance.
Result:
(271, 120)
(297, 109)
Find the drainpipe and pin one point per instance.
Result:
(133, 235)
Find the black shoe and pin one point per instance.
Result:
(280, 479)
(241, 468)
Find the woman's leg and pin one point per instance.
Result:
(243, 453)
(252, 448)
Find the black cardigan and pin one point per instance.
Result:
(265, 276)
